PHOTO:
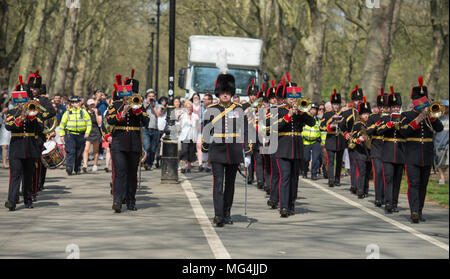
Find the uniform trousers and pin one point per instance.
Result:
(392, 174)
(74, 148)
(257, 165)
(417, 186)
(362, 175)
(275, 180)
(352, 170)
(289, 172)
(379, 179)
(125, 167)
(223, 175)
(334, 171)
(267, 170)
(312, 152)
(21, 170)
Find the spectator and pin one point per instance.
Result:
(60, 108)
(163, 101)
(236, 99)
(5, 135)
(441, 145)
(95, 136)
(190, 126)
(100, 100)
(151, 133)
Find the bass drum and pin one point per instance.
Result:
(52, 156)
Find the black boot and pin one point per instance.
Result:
(284, 213)
(11, 206)
(218, 221)
(117, 207)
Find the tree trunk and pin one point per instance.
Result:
(67, 52)
(378, 47)
(439, 21)
(80, 87)
(32, 37)
(287, 44)
(314, 45)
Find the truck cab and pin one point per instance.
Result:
(243, 56)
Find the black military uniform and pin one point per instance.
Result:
(257, 162)
(335, 143)
(376, 150)
(24, 150)
(392, 154)
(350, 116)
(267, 155)
(419, 152)
(290, 153)
(126, 148)
(35, 81)
(224, 137)
(361, 155)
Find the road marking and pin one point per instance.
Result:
(216, 245)
(381, 216)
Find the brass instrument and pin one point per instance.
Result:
(366, 137)
(50, 125)
(257, 104)
(436, 109)
(135, 101)
(304, 104)
(32, 108)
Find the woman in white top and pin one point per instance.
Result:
(190, 126)
(5, 137)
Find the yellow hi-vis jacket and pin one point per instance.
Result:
(312, 134)
(75, 121)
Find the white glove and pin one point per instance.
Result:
(247, 161)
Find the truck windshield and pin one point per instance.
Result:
(204, 78)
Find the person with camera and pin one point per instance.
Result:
(151, 132)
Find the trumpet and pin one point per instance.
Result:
(32, 108)
(303, 104)
(436, 109)
(135, 101)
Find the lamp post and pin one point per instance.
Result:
(158, 14)
(169, 158)
(150, 64)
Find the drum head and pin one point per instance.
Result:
(49, 146)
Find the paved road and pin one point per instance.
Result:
(174, 221)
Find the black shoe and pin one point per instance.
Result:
(284, 213)
(314, 178)
(291, 212)
(183, 170)
(337, 182)
(117, 207)
(330, 183)
(10, 206)
(421, 218)
(260, 185)
(415, 217)
(353, 190)
(272, 204)
(250, 181)
(131, 207)
(124, 201)
(29, 205)
(267, 189)
(208, 170)
(218, 221)
(228, 221)
(69, 171)
(360, 194)
(378, 203)
(388, 208)
(395, 209)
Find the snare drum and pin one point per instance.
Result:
(52, 156)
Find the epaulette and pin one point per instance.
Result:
(212, 105)
(238, 104)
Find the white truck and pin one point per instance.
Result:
(243, 58)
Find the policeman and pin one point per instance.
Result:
(126, 146)
(37, 91)
(24, 151)
(290, 147)
(74, 129)
(376, 150)
(311, 145)
(335, 142)
(346, 126)
(393, 151)
(224, 137)
(359, 139)
(418, 127)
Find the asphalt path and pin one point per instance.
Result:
(73, 219)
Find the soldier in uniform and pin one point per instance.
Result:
(418, 127)
(290, 149)
(126, 146)
(376, 150)
(25, 150)
(37, 91)
(268, 170)
(350, 116)
(224, 138)
(361, 155)
(335, 142)
(393, 152)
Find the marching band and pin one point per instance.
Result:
(386, 144)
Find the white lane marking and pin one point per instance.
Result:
(216, 245)
(381, 216)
